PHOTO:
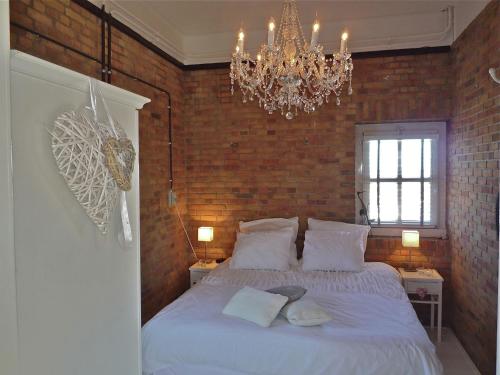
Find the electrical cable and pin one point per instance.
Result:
(185, 231)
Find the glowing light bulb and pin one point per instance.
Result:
(271, 24)
(241, 38)
(270, 33)
(343, 42)
(315, 34)
(259, 57)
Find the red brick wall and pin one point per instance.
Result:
(244, 164)
(474, 151)
(164, 256)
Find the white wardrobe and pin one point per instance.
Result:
(77, 291)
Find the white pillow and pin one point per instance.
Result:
(272, 224)
(255, 305)
(305, 313)
(333, 251)
(315, 224)
(262, 250)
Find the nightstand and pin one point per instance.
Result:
(199, 269)
(429, 284)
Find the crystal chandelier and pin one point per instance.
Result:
(288, 73)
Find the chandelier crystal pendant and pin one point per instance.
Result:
(288, 74)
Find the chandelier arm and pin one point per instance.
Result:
(287, 75)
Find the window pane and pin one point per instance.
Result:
(372, 204)
(427, 202)
(411, 158)
(388, 158)
(410, 202)
(373, 151)
(427, 157)
(388, 201)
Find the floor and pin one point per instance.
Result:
(453, 356)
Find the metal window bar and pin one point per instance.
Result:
(422, 196)
(399, 180)
(378, 182)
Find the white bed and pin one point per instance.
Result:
(374, 329)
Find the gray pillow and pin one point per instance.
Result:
(293, 292)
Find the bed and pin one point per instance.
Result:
(374, 329)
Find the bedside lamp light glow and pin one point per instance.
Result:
(411, 238)
(205, 234)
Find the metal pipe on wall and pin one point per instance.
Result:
(107, 23)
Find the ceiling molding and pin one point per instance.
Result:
(215, 48)
(172, 45)
(355, 56)
(394, 32)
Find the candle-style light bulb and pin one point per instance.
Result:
(241, 39)
(259, 57)
(343, 42)
(270, 33)
(315, 34)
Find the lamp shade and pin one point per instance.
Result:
(411, 238)
(205, 234)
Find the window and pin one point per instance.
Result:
(401, 170)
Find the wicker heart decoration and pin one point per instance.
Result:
(77, 148)
(120, 157)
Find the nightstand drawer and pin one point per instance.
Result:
(429, 287)
(197, 276)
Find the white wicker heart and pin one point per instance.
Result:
(77, 142)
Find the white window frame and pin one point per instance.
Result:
(400, 130)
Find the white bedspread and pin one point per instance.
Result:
(374, 330)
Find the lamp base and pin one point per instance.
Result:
(410, 269)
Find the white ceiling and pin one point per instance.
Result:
(196, 32)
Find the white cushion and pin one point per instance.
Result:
(272, 224)
(333, 251)
(315, 224)
(262, 250)
(305, 313)
(255, 305)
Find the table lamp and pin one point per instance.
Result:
(410, 239)
(205, 234)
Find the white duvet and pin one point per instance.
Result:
(374, 329)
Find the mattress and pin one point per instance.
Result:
(374, 330)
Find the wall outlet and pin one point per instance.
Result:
(172, 198)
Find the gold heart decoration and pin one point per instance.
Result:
(119, 159)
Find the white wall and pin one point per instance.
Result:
(8, 317)
(78, 291)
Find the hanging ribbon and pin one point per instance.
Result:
(125, 238)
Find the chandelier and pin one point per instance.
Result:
(288, 74)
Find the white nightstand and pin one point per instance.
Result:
(431, 284)
(199, 269)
